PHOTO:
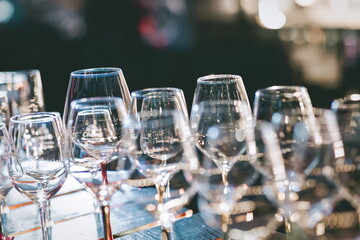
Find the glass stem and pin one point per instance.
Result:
(160, 192)
(226, 183)
(43, 210)
(105, 210)
(288, 226)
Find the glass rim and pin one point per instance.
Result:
(142, 92)
(351, 101)
(218, 78)
(34, 117)
(276, 90)
(98, 71)
(92, 99)
(281, 87)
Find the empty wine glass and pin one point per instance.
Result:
(96, 126)
(168, 98)
(347, 110)
(220, 87)
(25, 92)
(163, 151)
(95, 82)
(39, 160)
(223, 132)
(5, 183)
(307, 193)
(269, 105)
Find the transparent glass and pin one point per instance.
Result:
(5, 183)
(223, 132)
(39, 159)
(220, 87)
(95, 82)
(164, 153)
(308, 195)
(347, 111)
(25, 92)
(96, 125)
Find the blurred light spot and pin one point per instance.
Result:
(355, 97)
(249, 217)
(305, 3)
(213, 132)
(240, 135)
(6, 11)
(270, 15)
(320, 229)
(150, 207)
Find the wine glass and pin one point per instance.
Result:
(39, 159)
(95, 82)
(347, 110)
(220, 87)
(269, 105)
(5, 183)
(96, 126)
(4, 107)
(25, 92)
(308, 192)
(163, 151)
(223, 132)
(162, 98)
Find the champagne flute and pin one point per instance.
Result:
(5, 183)
(95, 125)
(38, 161)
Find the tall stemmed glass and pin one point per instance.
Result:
(38, 162)
(168, 98)
(5, 183)
(25, 92)
(95, 82)
(347, 110)
(269, 105)
(96, 126)
(223, 131)
(163, 148)
(314, 185)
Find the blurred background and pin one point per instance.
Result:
(160, 43)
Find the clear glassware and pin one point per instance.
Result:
(5, 183)
(272, 104)
(168, 98)
(25, 92)
(164, 151)
(308, 194)
(347, 111)
(220, 87)
(39, 159)
(95, 82)
(223, 132)
(4, 107)
(280, 98)
(96, 125)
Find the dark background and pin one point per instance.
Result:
(128, 34)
